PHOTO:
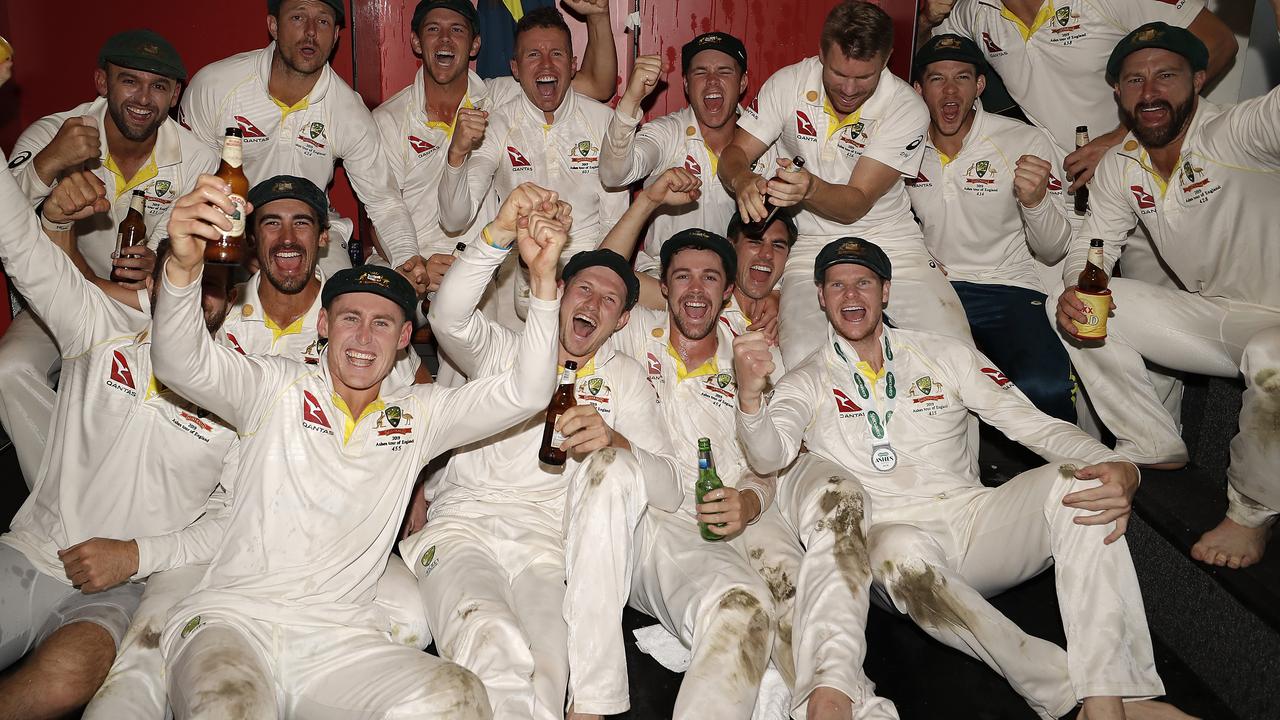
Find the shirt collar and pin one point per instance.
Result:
(264, 74)
(561, 114)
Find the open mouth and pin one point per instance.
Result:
(695, 309)
(583, 326)
(308, 51)
(760, 273)
(445, 58)
(360, 359)
(714, 102)
(546, 86)
(1154, 114)
(288, 259)
(853, 313)
(949, 113)
(140, 115)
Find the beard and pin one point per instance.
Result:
(1158, 137)
(289, 285)
(120, 118)
(697, 329)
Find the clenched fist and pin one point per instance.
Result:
(644, 78)
(468, 132)
(675, 186)
(99, 564)
(753, 364)
(75, 143)
(1031, 180)
(79, 195)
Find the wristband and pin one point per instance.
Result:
(52, 226)
(484, 232)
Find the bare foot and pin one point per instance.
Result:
(1153, 710)
(829, 704)
(1231, 545)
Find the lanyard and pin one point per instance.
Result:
(883, 456)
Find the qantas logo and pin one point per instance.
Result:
(991, 47)
(920, 179)
(754, 107)
(517, 160)
(843, 403)
(804, 126)
(1054, 183)
(996, 376)
(420, 146)
(692, 165)
(235, 344)
(314, 414)
(120, 370)
(1146, 201)
(248, 128)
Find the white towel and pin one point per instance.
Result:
(774, 700)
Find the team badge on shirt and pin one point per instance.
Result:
(311, 355)
(313, 416)
(853, 140)
(393, 428)
(1196, 186)
(429, 561)
(720, 389)
(195, 421)
(311, 140)
(120, 376)
(1065, 28)
(584, 157)
(928, 396)
(980, 179)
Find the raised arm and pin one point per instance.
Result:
(1040, 202)
(184, 357)
(770, 434)
(479, 345)
(372, 180)
(597, 77)
(49, 148)
(469, 170)
(625, 155)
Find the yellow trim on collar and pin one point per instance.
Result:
(943, 158)
(448, 127)
(585, 371)
(349, 423)
(1046, 13)
(710, 367)
(302, 104)
(145, 173)
(836, 123)
(1145, 161)
(864, 368)
(278, 332)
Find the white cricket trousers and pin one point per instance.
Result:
(921, 297)
(940, 558)
(237, 667)
(1210, 336)
(136, 686)
(28, 355)
(811, 550)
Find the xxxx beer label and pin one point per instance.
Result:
(1097, 307)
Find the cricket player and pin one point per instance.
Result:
(506, 532)
(127, 483)
(860, 131)
(1203, 179)
(550, 137)
(890, 406)
(817, 597)
(329, 454)
(276, 313)
(714, 66)
(989, 199)
(299, 118)
(128, 139)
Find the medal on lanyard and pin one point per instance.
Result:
(883, 457)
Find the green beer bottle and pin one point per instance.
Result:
(708, 480)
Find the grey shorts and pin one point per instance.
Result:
(34, 605)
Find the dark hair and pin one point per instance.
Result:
(543, 17)
(738, 230)
(861, 30)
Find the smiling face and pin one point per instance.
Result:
(949, 89)
(760, 260)
(288, 238)
(591, 310)
(305, 32)
(714, 83)
(137, 101)
(543, 63)
(1156, 91)
(446, 43)
(696, 289)
(849, 82)
(853, 298)
(365, 331)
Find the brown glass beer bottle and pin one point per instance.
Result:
(1092, 290)
(562, 400)
(133, 229)
(229, 250)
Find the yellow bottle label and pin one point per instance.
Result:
(1097, 307)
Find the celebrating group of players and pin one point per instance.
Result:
(829, 284)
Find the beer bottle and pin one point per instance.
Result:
(355, 251)
(229, 250)
(1082, 193)
(458, 249)
(132, 231)
(708, 480)
(771, 210)
(562, 400)
(1092, 290)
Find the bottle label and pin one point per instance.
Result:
(1096, 258)
(236, 218)
(1097, 307)
(231, 151)
(557, 439)
(139, 203)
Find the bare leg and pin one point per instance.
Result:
(829, 704)
(61, 675)
(1232, 545)
(1103, 708)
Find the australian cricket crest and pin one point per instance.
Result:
(1066, 27)
(311, 141)
(393, 429)
(584, 157)
(853, 140)
(927, 395)
(1197, 187)
(596, 391)
(720, 389)
(980, 178)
